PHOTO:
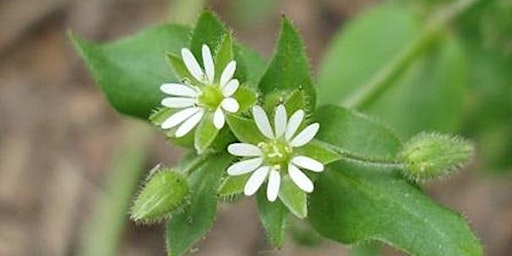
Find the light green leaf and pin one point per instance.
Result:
(205, 133)
(357, 135)
(224, 56)
(130, 71)
(188, 227)
(426, 96)
(209, 30)
(180, 70)
(274, 216)
(233, 186)
(293, 198)
(245, 129)
(352, 203)
(246, 97)
(250, 66)
(289, 68)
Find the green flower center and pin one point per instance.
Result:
(210, 97)
(276, 153)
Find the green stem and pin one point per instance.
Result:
(108, 221)
(385, 77)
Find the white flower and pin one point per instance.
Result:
(208, 95)
(270, 158)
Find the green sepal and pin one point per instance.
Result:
(273, 216)
(245, 129)
(180, 70)
(289, 68)
(205, 133)
(159, 115)
(224, 56)
(246, 97)
(293, 197)
(292, 100)
(233, 186)
(319, 151)
(165, 191)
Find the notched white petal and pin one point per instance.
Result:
(230, 88)
(176, 89)
(178, 102)
(274, 182)
(208, 63)
(300, 179)
(228, 73)
(256, 180)
(192, 64)
(280, 119)
(189, 124)
(261, 119)
(230, 105)
(179, 117)
(294, 123)
(218, 118)
(308, 163)
(305, 136)
(245, 166)
(244, 149)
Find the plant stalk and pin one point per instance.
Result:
(384, 78)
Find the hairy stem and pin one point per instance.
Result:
(384, 78)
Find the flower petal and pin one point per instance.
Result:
(230, 87)
(188, 125)
(300, 179)
(218, 118)
(179, 117)
(228, 73)
(244, 149)
(261, 119)
(308, 163)
(209, 67)
(245, 166)
(305, 136)
(230, 105)
(179, 90)
(280, 120)
(256, 180)
(294, 123)
(192, 65)
(178, 102)
(274, 181)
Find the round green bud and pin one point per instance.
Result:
(164, 193)
(429, 156)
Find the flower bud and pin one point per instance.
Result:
(164, 193)
(429, 156)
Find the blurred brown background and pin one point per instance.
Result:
(58, 134)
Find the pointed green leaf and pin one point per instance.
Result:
(188, 227)
(355, 134)
(289, 68)
(293, 198)
(245, 129)
(293, 100)
(233, 186)
(205, 133)
(273, 216)
(353, 203)
(250, 66)
(209, 30)
(180, 70)
(224, 56)
(130, 71)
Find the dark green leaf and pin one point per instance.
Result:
(188, 227)
(289, 68)
(130, 71)
(352, 203)
(210, 31)
(274, 216)
(355, 134)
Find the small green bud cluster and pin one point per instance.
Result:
(164, 193)
(429, 156)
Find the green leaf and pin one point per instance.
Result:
(205, 133)
(289, 68)
(224, 56)
(165, 191)
(352, 203)
(428, 95)
(188, 227)
(293, 198)
(250, 65)
(210, 31)
(180, 70)
(246, 97)
(292, 100)
(233, 186)
(274, 216)
(357, 135)
(319, 151)
(245, 129)
(130, 71)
